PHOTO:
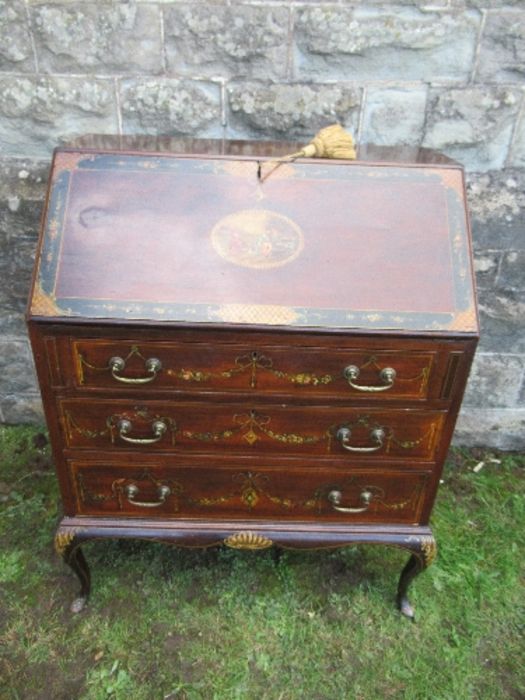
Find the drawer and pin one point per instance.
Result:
(291, 369)
(167, 490)
(155, 426)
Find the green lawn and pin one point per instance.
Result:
(223, 624)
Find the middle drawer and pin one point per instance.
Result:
(284, 429)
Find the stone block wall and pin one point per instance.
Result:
(447, 74)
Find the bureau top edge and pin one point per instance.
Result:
(243, 148)
(233, 332)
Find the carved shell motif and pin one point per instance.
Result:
(63, 539)
(429, 549)
(247, 540)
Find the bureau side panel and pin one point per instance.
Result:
(454, 384)
(52, 379)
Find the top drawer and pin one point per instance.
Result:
(309, 372)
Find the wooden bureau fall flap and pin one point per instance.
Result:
(225, 360)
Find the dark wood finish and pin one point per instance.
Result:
(250, 428)
(195, 366)
(300, 367)
(140, 245)
(373, 272)
(72, 532)
(288, 493)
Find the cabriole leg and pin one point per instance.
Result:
(68, 548)
(424, 552)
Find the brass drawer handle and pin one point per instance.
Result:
(387, 376)
(335, 498)
(125, 426)
(377, 434)
(117, 364)
(132, 490)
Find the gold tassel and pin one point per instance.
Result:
(331, 142)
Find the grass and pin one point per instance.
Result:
(219, 624)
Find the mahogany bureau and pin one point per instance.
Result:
(232, 356)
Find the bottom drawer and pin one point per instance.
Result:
(282, 492)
